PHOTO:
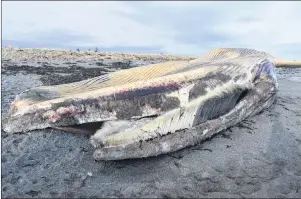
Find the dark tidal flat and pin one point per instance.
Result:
(260, 157)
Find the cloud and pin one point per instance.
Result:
(178, 27)
(59, 39)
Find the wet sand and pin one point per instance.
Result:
(260, 157)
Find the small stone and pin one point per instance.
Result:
(205, 175)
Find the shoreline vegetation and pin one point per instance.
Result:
(42, 54)
(65, 55)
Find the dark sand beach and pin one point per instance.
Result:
(260, 157)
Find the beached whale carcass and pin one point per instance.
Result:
(154, 109)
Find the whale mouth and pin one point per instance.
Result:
(154, 109)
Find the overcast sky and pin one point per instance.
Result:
(171, 27)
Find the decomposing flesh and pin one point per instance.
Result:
(154, 109)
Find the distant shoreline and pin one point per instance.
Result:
(42, 54)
